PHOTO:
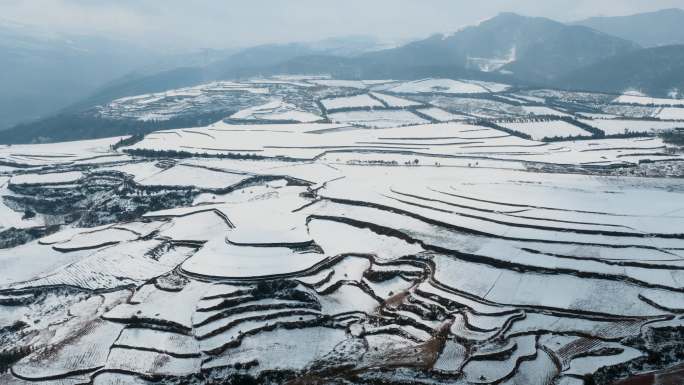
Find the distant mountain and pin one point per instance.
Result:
(533, 49)
(260, 60)
(508, 47)
(529, 50)
(653, 71)
(665, 27)
(42, 73)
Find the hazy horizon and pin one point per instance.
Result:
(177, 25)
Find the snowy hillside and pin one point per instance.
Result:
(434, 232)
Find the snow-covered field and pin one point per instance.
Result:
(359, 84)
(540, 110)
(671, 113)
(447, 86)
(413, 252)
(645, 100)
(276, 110)
(441, 115)
(620, 126)
(393, 101)
(86, 151)
(182, 175)
(377, 119)
(358, 101)
(446, 143)
(163, 106)
(49, 178)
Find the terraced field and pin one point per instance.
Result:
(323, 251)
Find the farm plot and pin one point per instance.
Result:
(50, 178)
(94, 240)
(546, 111)
(358, 84)
(378, 118)
(276, 110)
(219, 259)
(86, 353)
(203, 178)
(151, 304)
(587, 98)
(631, 111)
(25, 262)
(447, 86)
(114, 267)
(671, 113)
(478, 108)
(57, 153)
(442, 116)
(281, 349)
(358, 101)
(393, 101)
(205, 98)
(645, 100)
(622, 126)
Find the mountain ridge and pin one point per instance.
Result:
(649, 29)
(508, 48)
(537, 62)
(655, 71)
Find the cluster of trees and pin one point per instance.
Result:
(374, 162)
(625, 135)
(89, 125)
(675, 137)
(551, 139)
(495, 98)
(362, 108)
(125, 142)
(148, 153)
(567, 105)
(46, 202)
(414, 162)
(13, 237)
(651, 105)
(11, 356)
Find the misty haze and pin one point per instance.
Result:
(341, 192)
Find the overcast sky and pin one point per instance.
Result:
(230, 23)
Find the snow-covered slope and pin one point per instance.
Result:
(415, 251)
